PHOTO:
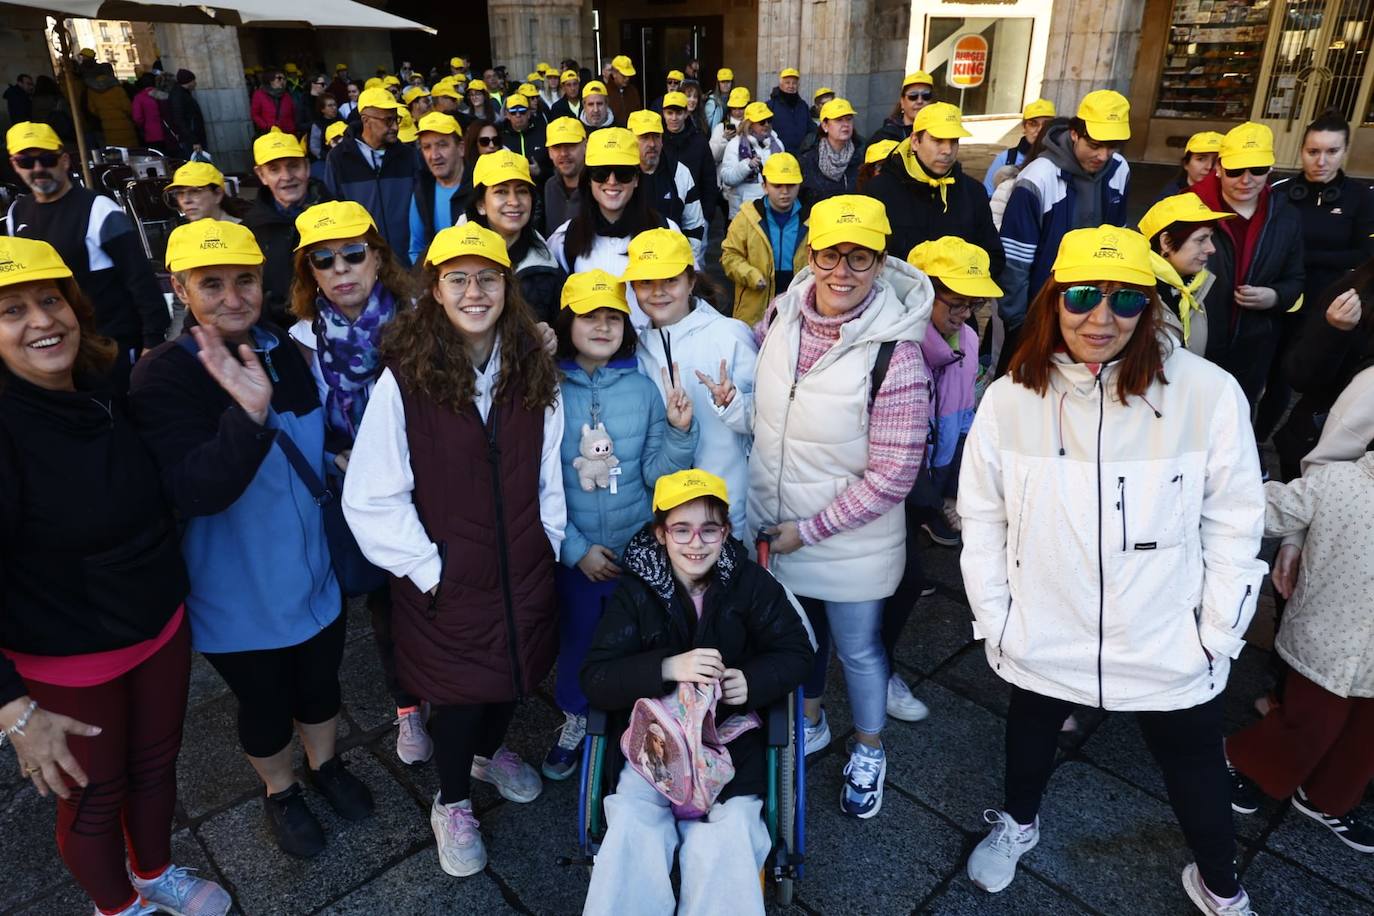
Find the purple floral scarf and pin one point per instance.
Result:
(350, 357)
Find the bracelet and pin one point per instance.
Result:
(18, 727)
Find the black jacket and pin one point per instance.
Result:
(892, 129)
(528, 143)
(690, 147)
(562, 109)
(277, 237)
(1337, 222)
(816, 187)
(916, 213)
(187, 121)
(746, 615)
(791, 118)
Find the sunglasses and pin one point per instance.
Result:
(920, 95)
(624, 174)
(517, 111)
(1259, 171)
(488, 141)
(323, 258)
(1124, 303)
(47, 160)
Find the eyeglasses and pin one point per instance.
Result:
(960, 306)
(858, 259)
(1124, 303)
(920, 95)
(624, 174)
(352, 253)
(319, 83)
(764, 124)
(48, 160)
(709, 534)
(488, 141)
(488, 281)
(1259, 171)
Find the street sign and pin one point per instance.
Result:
(968, 64)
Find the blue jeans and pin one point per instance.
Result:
(580, 605)
(856, 629)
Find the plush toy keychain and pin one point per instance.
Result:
(597, 465)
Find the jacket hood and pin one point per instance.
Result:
(101, 82)
(1059, 150)
(900, 310)
(648, 559)
(575, 375)
(537, 256)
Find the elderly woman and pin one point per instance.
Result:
(228, 428)
(197, 191)
(1180, 232)
(91, 620)
(832, 166)
(1112, 513)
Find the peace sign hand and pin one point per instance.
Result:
(679, 402)
(723, 391)
(245, 381)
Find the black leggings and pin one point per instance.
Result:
(461, 732)
(278, 687)
(898, 608)
(1187, 745)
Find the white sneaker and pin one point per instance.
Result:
(515, 779)
(1203, 899)
(901, 704)
(413, 744)
(181, 893)
(992, 865)
(461, 850)
(818, 735)
(861, 795)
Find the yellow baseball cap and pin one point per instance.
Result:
(413, 93)
(738, 98)
(31, 135)
(591, 290)
(672, 490)
(457, 63)
(196, 175)
(918, 77)
(340, 67)
(849, 218)
(446, 88)
(405, 128)
(440, 123)
(23, 260)
(824, 90)
(391, 79)
(276, 145)
(502, 165)
(534, 75)
(621, 64)
(595, 87)
(467, 238)
(782, 168)
(943, 120)
(1205, 141)
(336, 219)
(373, 83)
(725, 74)
(675, 100)
(658, 254)
(757, 112)
(836, 108)
(528, 91)
(1104, 253)
(564, 130)
(87, 52)
(517, 99)
(291, 68)
(478, 84)
(789, 71)
(1040, 108)
(378, 98)
(612, 146)
(878, 152)
(337, 129)
(675, 75)
(543, 67)
(1107, 114)
(1247, 145)
(1180, 208)
(961, 266)
(645, 122)
(568, 76)
(211, 243)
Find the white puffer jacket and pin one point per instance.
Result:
(738, 179)
(1110, 550)
(609, 253)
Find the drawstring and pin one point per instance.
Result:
(1158, 415)
(1061, 423)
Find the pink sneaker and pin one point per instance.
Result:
(461, 850)
(413, 744)
(515, 779)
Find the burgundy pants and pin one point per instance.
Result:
(131, 768)
(1315, 739)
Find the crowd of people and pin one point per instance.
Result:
(459, 356)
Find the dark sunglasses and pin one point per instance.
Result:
(47, 160)
(602, 173)
(1124, 303)
(920, 95)
(353, 253)
(1259, 171)
(488, 141)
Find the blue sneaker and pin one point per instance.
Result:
(862, 794)
(179, 892)
(564, 756)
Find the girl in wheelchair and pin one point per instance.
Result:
(692, 608)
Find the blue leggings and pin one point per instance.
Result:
(856, 629)
(580, 605)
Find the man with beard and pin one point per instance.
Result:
(623, 97)
(567, 150)
(668, 183)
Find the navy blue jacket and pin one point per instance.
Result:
(384, 192)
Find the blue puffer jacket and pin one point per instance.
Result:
(646, 445)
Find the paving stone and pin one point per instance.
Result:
(27, 837)
(972, 677)
(1277, 886)
(212, 770)
(269, 881)
(524, 843)
(1313, 846)
(206, 684)
(941, 567)
(365, 696)
(938, 628)
(418, 887)
(359, 619)
(1027, 894)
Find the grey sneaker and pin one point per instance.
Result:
(817, 736)
(515, 779)
(461, 850)
(861, 795)
(901, 704)
(179, 892)
(413, 744)
(992, 865)
(1203, 899)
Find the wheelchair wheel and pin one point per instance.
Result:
(787, 803)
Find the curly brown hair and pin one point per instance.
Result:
(428, 355)
(95, 354)
(389, 271)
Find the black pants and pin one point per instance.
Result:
(461, 732)
(1187, 745)
(897, 609)
(278, 687)
(379, 606)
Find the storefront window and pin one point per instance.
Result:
(1213, 58)
(1004, 76)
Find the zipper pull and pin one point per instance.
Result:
(792, 395)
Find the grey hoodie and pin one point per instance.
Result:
(1087, 209)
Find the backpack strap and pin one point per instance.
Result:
(879, 372)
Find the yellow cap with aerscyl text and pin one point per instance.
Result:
(211, 243)
(836, 108)
(591, 290)
(1103, 254)
(963, 267)
(467, 239)
(878, 152)
(276, 145)
(612, 146)
(1040, 108)
(645, 122)
(1247, 146)
(658, 254)
(23, 260)
(782, 168)
(31, 135)
(621, 64)
(439, 123)
(850, 218)
(1107, 115)
(331, 221)
(918, 78)
(789, 71)
(738, 98)
(1180, 208)
(378, 98)
(672, 490)
(674, 100)
(1204, 141)
(196, 175)
(337, 129)
(569, 76)
(942, 120)
(676, 75)
(595, 87)
(564, 130)
(757, 112)
(725, 75)
(501, 166)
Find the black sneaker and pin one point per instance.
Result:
(1245, 795)
(293, 826)
(1349, 829)
(939, 529)
(346, 794)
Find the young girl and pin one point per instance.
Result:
(456, 489)
(688, 333)
(693, 609)
(605, 402)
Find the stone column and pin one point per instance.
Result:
(211, 52)
(525, 32)
(1092, 45)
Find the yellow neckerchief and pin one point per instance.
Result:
(918, 172)
(1187, 292)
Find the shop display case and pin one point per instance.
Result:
(1213, 58)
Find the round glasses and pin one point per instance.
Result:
(683, 534)
(858, 259)
(488, 281)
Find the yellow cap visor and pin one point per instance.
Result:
(467, 239)
(211, 243)
(591, 290)
(672, 490)
(332, 221)
(658, 254)
(25, 260)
